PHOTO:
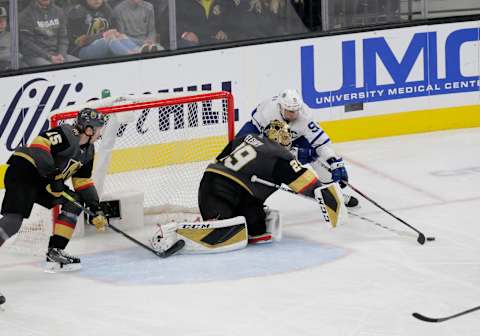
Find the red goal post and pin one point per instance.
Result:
(58, 117)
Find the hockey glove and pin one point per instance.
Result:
(56, 189)
(337, 168)
(304, 155)
(99, 220)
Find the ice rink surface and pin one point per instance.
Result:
(356, 280)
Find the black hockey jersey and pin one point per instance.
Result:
(57, 154)
(257, 155)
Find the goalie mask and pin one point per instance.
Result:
(278, 131)
(90, 118)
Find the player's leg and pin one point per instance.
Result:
(22, 184)
(254, 212)
(217, 197)
(64, 225)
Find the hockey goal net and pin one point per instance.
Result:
(156, 144)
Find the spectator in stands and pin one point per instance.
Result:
(265, 18)
(43, 36)
(93, 32)
(162, 22)
(136, 19)
(5, 52)
(201, 22)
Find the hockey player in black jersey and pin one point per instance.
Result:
(37, 174)
(226, 189)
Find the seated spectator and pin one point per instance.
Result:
(93, 32)
(43, 35)
(265, 18)
(203, 22)
(136, 19)
(5, 52)
(162, 22)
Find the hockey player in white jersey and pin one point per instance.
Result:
(311, 144)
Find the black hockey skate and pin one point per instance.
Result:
(2, 299)
(351, 202)
(60, 261)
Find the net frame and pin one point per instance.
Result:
(135, 103)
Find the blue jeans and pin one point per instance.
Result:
(102, 48)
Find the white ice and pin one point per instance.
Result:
(356, 280)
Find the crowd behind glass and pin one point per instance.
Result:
(46, 32)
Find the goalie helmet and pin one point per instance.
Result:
(89, 117)
(278, 131)
(290, 104)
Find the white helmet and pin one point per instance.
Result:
(289, 100)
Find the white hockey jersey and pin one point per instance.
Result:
(304, 125)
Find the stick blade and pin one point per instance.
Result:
(425, 318)
(172, 250)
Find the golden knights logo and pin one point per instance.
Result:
(71, 168)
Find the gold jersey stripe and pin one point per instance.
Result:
(26, 157)
(231, 177)
(39, 140)
(303, 181)
(79, 182)
(63, 231)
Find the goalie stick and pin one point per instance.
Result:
(256, 179)
(442, 319)
(164, 254)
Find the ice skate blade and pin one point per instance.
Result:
(54, 267)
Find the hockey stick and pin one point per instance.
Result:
(164, 254)
(442, 319)
(383, 226)
(256, 179)
(421, 236)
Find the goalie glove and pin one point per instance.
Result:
(338, 170)
(165, 237)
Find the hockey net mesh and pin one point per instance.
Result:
(157, 144)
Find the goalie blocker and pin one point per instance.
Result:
(212, 236)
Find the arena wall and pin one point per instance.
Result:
(363, 85)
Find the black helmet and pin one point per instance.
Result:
(89, 117)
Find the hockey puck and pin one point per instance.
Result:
(430, 238)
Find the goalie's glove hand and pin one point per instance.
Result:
(98, 219)
(56, 188)
(338, 170)
(304, 155)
